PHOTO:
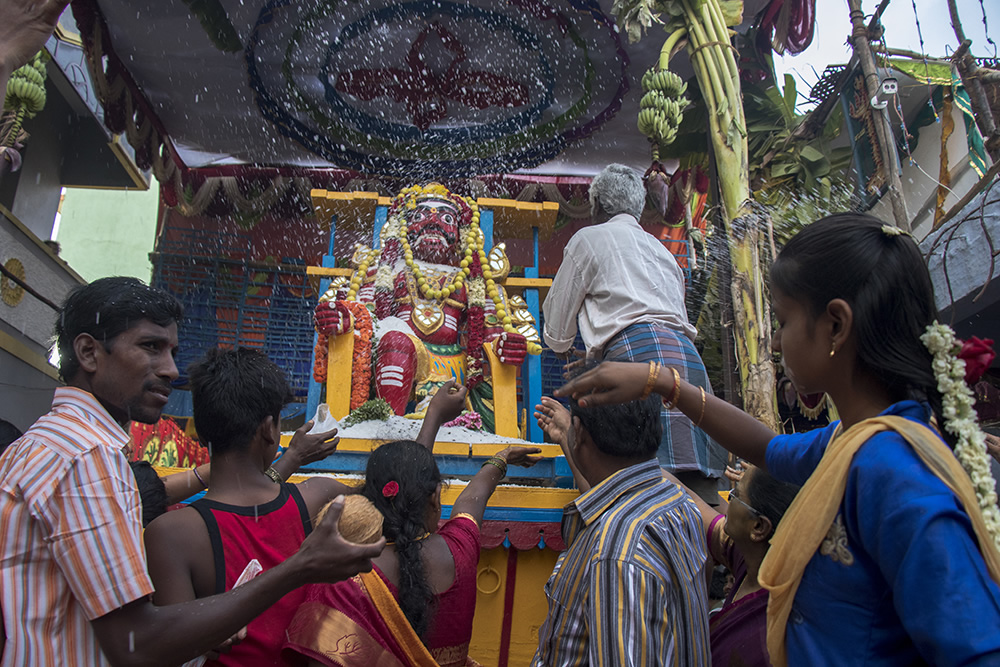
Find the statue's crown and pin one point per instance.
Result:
(409, 197)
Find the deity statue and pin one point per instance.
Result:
(435, 296)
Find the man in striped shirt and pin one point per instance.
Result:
(73, 576)
(630, 588)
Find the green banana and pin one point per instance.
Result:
(26, 87)
(661, 107)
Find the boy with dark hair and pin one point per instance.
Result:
(247, 513)
(152, 492)
(72, 567)
(635, 556)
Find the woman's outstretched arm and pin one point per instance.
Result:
(617, 382)
(473, 499)
(446, 404)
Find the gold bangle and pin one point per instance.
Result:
(701, 416)
(675, 393)
(654, 372)
(499, 463)
(273, 474)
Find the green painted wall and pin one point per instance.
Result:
(108, 232)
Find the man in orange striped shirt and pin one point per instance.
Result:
(72, 569)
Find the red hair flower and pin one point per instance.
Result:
(390, 489)
(978, 355)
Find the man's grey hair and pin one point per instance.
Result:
(618, 189)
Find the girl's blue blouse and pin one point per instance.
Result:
(899, 580)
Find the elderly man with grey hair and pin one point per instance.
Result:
(624, 291)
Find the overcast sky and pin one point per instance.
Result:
(833, 26)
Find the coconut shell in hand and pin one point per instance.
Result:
(360, 522)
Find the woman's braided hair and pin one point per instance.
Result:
(412, 467)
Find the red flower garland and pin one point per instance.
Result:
(361, 364)
(321, 354)
(477, 332)
(475, 349)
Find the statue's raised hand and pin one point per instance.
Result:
(332, 318)
(511, 348)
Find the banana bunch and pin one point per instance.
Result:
(665, 81)
(662, 107)
(26, 87)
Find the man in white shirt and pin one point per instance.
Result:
(624, 292)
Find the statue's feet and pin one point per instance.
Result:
(553, 418)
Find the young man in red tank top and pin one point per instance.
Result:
(201, 550)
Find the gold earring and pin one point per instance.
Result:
(833, 349)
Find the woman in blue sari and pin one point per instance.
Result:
(889, 553)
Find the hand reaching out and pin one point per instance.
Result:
(228, 645)
(575, 361)
(520, 456)
(553, 418)
(326, 557)
(308, 447)
(734, 475)
(447, 403)
(993, 446)
(25, 25)
(609, 383)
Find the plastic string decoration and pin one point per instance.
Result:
(986, 29)
(927, 69)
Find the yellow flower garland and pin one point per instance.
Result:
(473, 247)
(361, 274)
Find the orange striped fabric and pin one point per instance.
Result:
(70, 533)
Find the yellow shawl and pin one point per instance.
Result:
(416, 652)
(809, 518)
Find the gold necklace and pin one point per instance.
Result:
(427, 315)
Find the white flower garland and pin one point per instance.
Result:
(960, 419)
(477, 292)
(384, 278)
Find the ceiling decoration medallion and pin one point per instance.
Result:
(436, 87)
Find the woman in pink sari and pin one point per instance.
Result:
(739, 539)
(416, 606)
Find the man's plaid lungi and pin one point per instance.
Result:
(684, 447)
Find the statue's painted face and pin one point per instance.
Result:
(433, 231)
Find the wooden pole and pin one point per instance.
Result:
(883, 132)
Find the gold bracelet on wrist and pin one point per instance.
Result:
(675, 393)
(274, 475)
(654, 373)
(499, 463)
(701, 415)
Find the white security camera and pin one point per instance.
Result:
(887, 88)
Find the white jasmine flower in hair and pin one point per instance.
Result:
(961, 419)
